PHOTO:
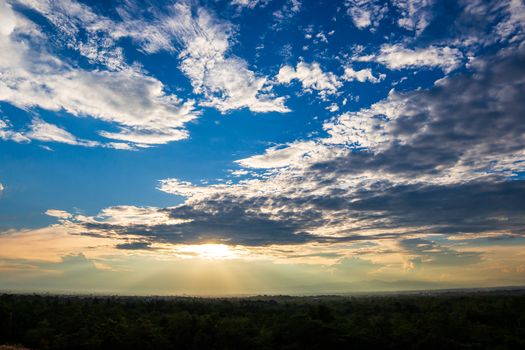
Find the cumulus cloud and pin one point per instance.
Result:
(397, 56)
(312, 77)
(361, 76)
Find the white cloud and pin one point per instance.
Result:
(7, 19)
(278, 156)
(333, 107)
(61, 214)
(366, 13)
(362, 75)
(289, 9)
(71, 18)
(134, 102)
(226, 81)
(312, 77)
(415, 14)
(132, 215)
(514, 24)
(248, 3)
(6, 133)
(398, 57)
(136, 105)
(43, 131)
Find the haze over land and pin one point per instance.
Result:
(261, 146)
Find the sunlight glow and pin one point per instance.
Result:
(210, 251)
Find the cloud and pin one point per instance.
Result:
(134, 246)
(415, 15)
(249, 3)
(43, 131)
(226, 81)
(430, 161)
(366, 13)
(312, 77)
(277, 157)
(6, 133)
(81, 29)
(441, 161)
(289, 9)
(361, 76)
(135, 103)
(438, 161)
(513, 26)
(203, 42)
(464, 128)
(61, 214)
(397, 56)
(7, 19)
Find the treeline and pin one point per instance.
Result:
(388, 322)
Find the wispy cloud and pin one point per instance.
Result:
(397, 56)
(134, 102)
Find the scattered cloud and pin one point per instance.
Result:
(415, 15)
(366, 13)
(249, 3)
(397, 56)
(43, 131)
(135, 102)
(225, 80)
(429, 162)
(61, 214)
(361, 76)
(289, 9)
(312, 77)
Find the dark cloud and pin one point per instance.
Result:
(134, 246)
(473, 118)
(432, 254)
(472, 207)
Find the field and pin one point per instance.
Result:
(448, 320)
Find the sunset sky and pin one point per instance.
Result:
(261, 146)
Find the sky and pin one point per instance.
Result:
(213, 147)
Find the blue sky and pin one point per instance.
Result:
(383, 140)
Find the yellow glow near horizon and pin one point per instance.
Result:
(210, 251)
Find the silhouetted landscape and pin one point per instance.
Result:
(438, 320)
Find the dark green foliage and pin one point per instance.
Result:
(475, 321)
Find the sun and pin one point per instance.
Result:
(210, 251)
